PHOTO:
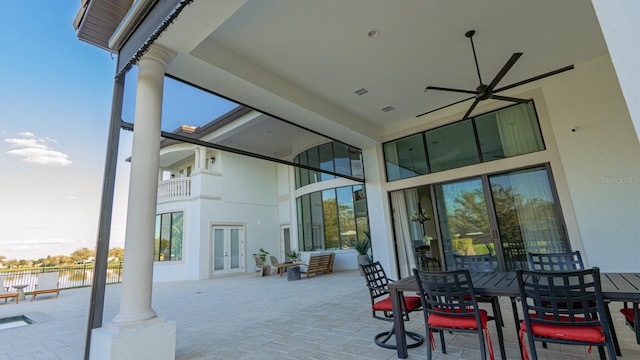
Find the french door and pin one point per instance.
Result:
(227, 250)
(506, 215)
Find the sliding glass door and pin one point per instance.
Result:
(527, 215)
(464, 219)
(506, 215)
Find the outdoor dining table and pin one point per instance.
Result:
(615, 287)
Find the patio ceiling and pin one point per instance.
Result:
(303, 60)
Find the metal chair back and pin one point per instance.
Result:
(565, 261)
(473, 263)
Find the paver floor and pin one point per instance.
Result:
(248, 317)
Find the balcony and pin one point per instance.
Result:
(174, 189)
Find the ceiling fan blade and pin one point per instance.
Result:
(473, 106)
(551, 73)
(450, 89)
(446, 106)
(507, 98)
(512, 60)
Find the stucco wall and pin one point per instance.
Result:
(247, 197)
(601, 162)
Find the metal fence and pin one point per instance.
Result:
(71, 276)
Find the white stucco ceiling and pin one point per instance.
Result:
(303, 60)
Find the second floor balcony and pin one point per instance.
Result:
(174, 189)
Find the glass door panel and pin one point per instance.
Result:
(235, 249)
(464, 219)
(218, 249)
(527, 215)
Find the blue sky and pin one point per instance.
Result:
(55, 104)
(55, 100)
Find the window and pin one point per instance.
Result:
(452, 146)
(168, 238)
(405, 157)
(507, 132)
(336, 220)
(335, 157)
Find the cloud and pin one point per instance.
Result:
(35, 150)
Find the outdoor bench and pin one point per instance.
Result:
(318, 263)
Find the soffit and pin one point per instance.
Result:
(98, 19)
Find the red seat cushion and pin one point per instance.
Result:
(628, 314)
(441, 319)
(592, 334)
(412, 302)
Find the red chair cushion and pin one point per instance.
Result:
(592, 334)
(441, 319)
(628, 314)
(412, 302)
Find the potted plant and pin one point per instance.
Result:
(362, 247)
(262, 254)
(293, 255)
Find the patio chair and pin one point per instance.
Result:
(381, 306)
(480, 263)
(548, 301)
(449, 304)
(4, 294)
(47, 284)
(631, 318)
(267, 269)
(566, 261)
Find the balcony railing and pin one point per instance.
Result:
(174, 189)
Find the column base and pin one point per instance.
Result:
(156, 341)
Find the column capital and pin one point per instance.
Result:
(158, 53)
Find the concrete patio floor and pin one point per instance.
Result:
(250, 317)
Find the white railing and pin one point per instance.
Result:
(174, 189)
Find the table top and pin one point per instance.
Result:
(615, 286)
(19, 286)
(285, 265)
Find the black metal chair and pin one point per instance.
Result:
(632, 318)
(566, 261)
(381, 306)
(480, 263)
(549, 307)
(449, 304)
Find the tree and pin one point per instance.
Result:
(117, 253)
(82, 255)
(470, 214)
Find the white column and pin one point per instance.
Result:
(136, 332)
(135, 304)
(197, 158)
(203, 158)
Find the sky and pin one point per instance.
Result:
(55, 101)
(55, 105)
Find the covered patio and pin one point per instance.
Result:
(357, 73)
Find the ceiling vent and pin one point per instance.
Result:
(361, 91)
(387, 108)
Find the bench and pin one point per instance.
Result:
(318, 263)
